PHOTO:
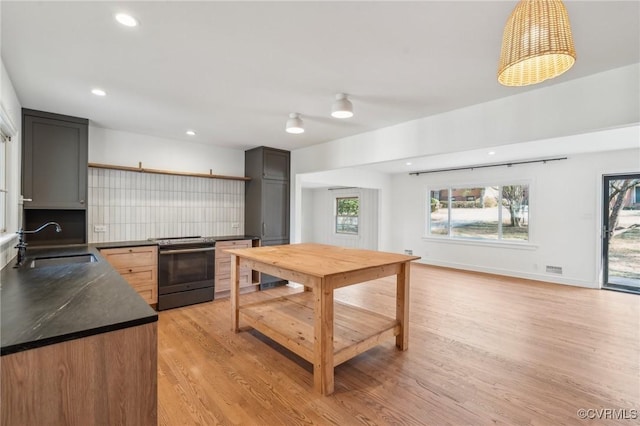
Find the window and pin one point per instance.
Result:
(439, 223)
(3, 183)
(7, 132)
(347, 211)
(480, 212)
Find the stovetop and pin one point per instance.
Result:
(172, 241)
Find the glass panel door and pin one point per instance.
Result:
(621, 233)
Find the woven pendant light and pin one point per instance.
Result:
(537, 43)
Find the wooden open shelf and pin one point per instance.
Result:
(140, 169)
(288, 320)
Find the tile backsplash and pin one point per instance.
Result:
(137, 206)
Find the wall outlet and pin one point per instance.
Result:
(235, 225)
(554, 269)
(99, 228)
(408, 252)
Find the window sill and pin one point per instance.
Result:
(347, 236)
(6, 238)
(483, 243)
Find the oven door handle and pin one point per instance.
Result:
(194, 250)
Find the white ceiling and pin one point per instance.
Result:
(233, 71)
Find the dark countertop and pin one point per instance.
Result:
(53, 304)
(236, 237)
(120, 244)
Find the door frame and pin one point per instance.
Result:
(604, 231)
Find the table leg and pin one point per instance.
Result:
(402, 306)
(235, 290)
(323, 339)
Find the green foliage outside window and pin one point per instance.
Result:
(347, 211)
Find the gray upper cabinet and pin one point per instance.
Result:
(55, 158)
(267, 195)
(276, 164)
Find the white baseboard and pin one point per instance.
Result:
(511, 273)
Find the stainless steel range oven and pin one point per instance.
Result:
(185, 271)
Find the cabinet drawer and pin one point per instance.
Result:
(222, 245)
(139, 267)
(123, 258)
(223, 267)
(149, 292)
(233, 244)
(223, 283)
(140, 275)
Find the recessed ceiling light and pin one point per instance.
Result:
(126, 20)
(492, 153)
(98, 92)
(408, 163)
(191, 133)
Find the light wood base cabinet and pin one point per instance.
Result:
(139, 266)
(249, 281)
(105, 379)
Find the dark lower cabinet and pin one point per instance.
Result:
(269, 281)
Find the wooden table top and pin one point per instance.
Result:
(320, 260)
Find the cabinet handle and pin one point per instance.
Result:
(264, 228)
(130, 250)
(81, 201)
(130, 270)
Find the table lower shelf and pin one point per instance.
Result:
(289, 320)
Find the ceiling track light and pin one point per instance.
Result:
(537, 43)
(342, 107)
(295, 124)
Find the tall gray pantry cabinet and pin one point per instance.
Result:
(267, 199)
(54, 176)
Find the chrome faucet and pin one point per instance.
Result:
(22, 246)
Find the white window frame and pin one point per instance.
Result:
(8, 134)
(4, 191)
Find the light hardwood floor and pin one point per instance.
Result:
(483, 349)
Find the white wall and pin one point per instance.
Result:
(582, 109)
(11, 105)
(345, 177)
(565, 218)
(107, 146)
(137, 207)
(307, 233)
(593, 103)
(319, 219)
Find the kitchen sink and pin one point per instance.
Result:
(40, 262)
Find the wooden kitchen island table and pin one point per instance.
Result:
(310, 323)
